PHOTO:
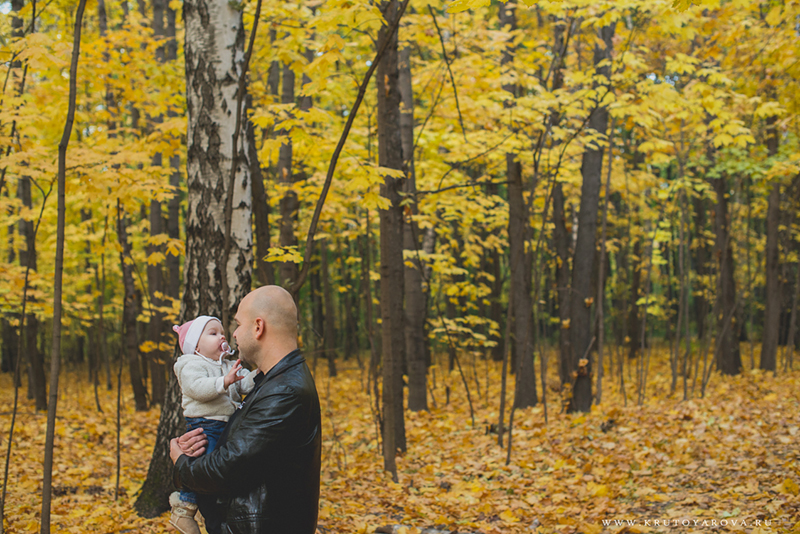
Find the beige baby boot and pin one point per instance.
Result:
(183, 514)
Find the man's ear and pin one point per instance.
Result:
(261, 328)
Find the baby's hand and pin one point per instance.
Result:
(232, 376)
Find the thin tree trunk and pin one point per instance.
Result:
(562, 238)
(728, 358)
(289, 203)
(390, 155)
(264, 272)
(518, 234)
(27, 258)
(129, 313)
(55, 354)
(601, 272)
(581, 297)
(414, 296)
(701, 265)
(774, 296)
(329, 336)
(788, 358)
(173, 206)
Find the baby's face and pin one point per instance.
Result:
(210, 343)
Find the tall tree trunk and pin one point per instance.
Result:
(700, 265)
(329, 336)
(390, 155)
(414, 296)
(289, 203)
(562, 238)
(173, 207)
(317, 306)
(155, 272)
(349, 300)
(27, 258)
(130, 311)
(266, 276)
(214, 45)
(774, 297)
(518, 234)
(729, 360)
(581, 293)
(55, 348)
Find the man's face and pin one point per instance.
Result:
(243, 334)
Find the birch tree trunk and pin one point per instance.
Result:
(214, 51)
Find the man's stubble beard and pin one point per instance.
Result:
(247, 351)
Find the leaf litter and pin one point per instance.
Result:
(729, 462)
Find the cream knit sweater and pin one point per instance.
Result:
(202, 383)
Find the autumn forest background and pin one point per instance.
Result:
(546, 255)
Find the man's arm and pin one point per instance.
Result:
(244, 458)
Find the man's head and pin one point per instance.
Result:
(267, 326)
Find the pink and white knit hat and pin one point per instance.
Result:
(189, 332)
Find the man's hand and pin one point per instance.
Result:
(232, 376)
(174, 450)
(192, 444)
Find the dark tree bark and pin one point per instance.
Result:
(561, 237)
(289, 203)
(701, 265)
(413, 281)
(390, 155)
(349, 301)
(729, 360)
(214, 51)
(264, 272)
(520, 285)
(317, 306)
(562, 240)
(129, 312)
(329, 335)
(155, 273)
(55, 347)
(774, 297)
(173, 206)
(585, 245)
(518, 234)
(27, 258)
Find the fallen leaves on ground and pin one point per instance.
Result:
(731, 456)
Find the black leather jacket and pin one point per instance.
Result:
(266, 467)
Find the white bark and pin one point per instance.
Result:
(214, 60)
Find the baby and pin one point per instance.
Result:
(211, 389)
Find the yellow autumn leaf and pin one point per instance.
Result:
(788, 487)
(508, 516)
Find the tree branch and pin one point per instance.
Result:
(452, 78)
(362, 90)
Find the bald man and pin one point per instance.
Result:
(265, 469)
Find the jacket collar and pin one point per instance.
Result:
(287, 362)
(290, 360)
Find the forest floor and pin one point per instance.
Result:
(728, 462)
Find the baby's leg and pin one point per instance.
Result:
(212, 513)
